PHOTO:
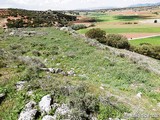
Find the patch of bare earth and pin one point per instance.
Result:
(139, 35)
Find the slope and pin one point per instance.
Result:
(104, 74)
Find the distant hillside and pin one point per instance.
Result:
(145, 4)
(29, 18)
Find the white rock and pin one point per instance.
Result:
(20, 85)
(48, 117)
(102, 88)
(12, 33)
(71, 72)
(94, 118)
(62, 110)
(66, 29)
(28, 113)
(30, 93)
(51, 70)
(45, 104)
(139, 95)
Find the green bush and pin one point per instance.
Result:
(78, 27)
(117, 41)
(148, 50)
(95, 33)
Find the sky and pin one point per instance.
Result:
(69, 4)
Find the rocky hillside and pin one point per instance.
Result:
(53, 74)
(17, 18)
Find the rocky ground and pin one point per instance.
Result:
(59, 74)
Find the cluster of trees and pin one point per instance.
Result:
(38, 18)
(121, 42)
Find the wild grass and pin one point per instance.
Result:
(1, 30)
(92, 66)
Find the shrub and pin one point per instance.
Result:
(95, 33)
(148, 50)
(118, 41)
(78, 27)
(144, 44)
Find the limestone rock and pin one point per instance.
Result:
(139, 95)
(45, 104)
(48, 117)
(29, 112)
(63, 110)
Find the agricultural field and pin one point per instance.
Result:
(153, 41)
(124, 22)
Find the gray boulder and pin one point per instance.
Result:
(45, 104)
(48, 117)
(29, 111)
(63, 110)
(66, 29)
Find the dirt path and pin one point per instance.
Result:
(144, 37)
(135, 36)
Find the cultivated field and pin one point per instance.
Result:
(127, 22)
(153, 41)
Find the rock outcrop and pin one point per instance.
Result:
(45, 104)
(29, 112)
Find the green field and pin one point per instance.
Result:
(116, 23)
(93, 67)
(127, 30)
(103, 17)
(153, 41)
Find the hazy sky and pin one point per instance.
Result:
(68, 4)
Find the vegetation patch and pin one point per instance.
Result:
(100, 82)
(153, 41)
